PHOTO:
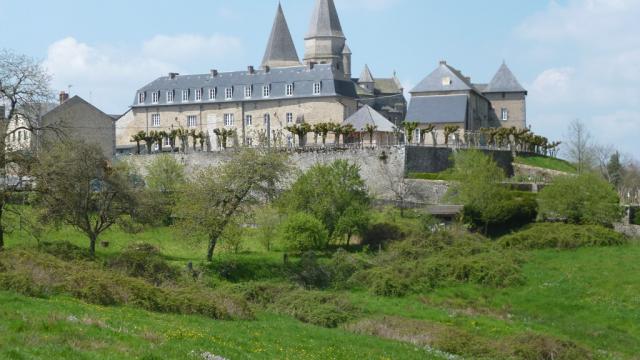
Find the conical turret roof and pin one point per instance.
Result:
(366, 76)
(281, 51)
(504, 81)
(325, 20)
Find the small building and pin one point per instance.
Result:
(385, 131)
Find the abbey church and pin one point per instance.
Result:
(259, 103)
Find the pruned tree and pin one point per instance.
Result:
(138, 138)
(24, 90)
(409, 129)
(78, 186)
(371, 130)
(429, 129)
(219, 195)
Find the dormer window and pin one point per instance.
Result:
(289, 90)
(228, 93)
(185, 95)
(317, 88)
(213, 93)
(155, 97)
(266, 91)
(170, 95)
(446, 81)
(198, 94)
(248, 91)
(141, 97)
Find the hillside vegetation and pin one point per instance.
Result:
(546, 162)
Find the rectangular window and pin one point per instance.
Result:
(192, 121)
(505, 114)
(155, 97)
(166, 141)
(198, 94)
(249, 141)
(317, 88)
(170, 95)
(248, 91)
(266, 91)
(228, 119)
(141, 97)
(185, 95)
(289, 90)
(213, 93)
(289, 118)
(248, 120)
(155, 120)
(228, 93)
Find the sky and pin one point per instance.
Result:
(579, 59)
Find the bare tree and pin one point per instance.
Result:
(24, 88)
(396, 184)
(579, 146)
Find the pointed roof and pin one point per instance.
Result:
(346, 49)
(281, 51)
(367, 115)
(366, 76)
(444, 78)
(504, 81)
(325, 20)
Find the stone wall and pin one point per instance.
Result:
(628, 230)
(425, 159)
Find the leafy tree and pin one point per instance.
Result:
(165, 177)
(138, 138)
(217, 196)
(354, 221)
(583, 199)
(223, 136)
(232, 237)
(323, 130)
(615, 170)
(301, 131)
(327, 192)
(429, 129)
(451, 130)
(77, 186)
(477, 186)
(303, 232)
(149, 140)
(371, 130)
(268, 220)
(409, 128)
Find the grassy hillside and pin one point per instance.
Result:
(546, 162)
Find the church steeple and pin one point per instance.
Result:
(325, 41)
(281, 51)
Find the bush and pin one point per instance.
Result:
(64, 250)
(381, 234)
(342, 266)
(543, 347)
(309, 273)
(510, 211)
(585, 199)
(144, 261)
(35, 274)
(562, 236)
(303, 232)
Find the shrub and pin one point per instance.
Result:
(64, 250)
(510, 211)
(543, 347)
(342, 266)
(584, 199)
(35, 274)
(562, 236)
(143, 261)
(309, 273)
(303, 232)
(381, 234)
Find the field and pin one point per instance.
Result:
(587, 298)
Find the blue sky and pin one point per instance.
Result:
(578, 58)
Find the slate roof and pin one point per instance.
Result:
(301, 77)
(504, 81)
(281, 50)
(325, 20)
(435, 81)
(438, 109)
(367, 115)
(366, 76)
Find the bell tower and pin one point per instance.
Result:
(325, 41)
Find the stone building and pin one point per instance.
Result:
(448, 97)
(260, 103)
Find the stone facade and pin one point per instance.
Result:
(515, 105)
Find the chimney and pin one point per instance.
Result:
(63, 97)
(267, 68)
(443, 62)
(467, 78)
(173, 75)
(311, 65)
(214, 73)
(251, 69)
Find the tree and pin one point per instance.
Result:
(165, 178)
(232, 237)
(371, 130)
(303, 232)
(138, 138)
(24, 88)
(149, 140)
(584, 199)
(223, 136)
(451, 130)
(477, 187)
(218, 195)
(429, 129)
(354, 221)
(579, 146)
(77, 186)
(301, 131)
(327, 192)
(409, 129)
(323, 130)
(268, 220)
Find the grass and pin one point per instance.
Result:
(443, 176)
(546, 162)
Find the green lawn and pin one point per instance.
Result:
(546, 162)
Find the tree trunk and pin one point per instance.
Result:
(92, 245)
(211, 249)
(1, 231)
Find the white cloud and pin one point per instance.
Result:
(597, 44)
(108, 76)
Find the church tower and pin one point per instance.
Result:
(281, 52)
(325, 42)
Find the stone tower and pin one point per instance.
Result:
(325, 42)
(366, 80)
(281, 51)
(508, 99)
(346, 61)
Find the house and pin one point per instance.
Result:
(368, 119)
